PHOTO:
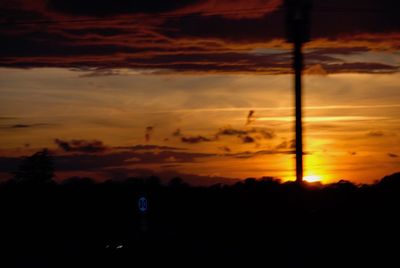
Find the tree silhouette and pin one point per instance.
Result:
(37, 168)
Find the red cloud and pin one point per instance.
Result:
(194, 36)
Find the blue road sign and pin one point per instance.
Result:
(143, 204)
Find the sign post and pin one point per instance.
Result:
(143, 207)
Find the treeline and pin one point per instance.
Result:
(81, 223)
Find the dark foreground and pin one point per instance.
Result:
(253, 224)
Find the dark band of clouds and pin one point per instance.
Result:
(191, 36)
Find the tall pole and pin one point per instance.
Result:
(297, 27)
(298, 68)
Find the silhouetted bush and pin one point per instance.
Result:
(80, 223)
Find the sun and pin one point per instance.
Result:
(312, 178)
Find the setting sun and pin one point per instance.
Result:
(312, 178)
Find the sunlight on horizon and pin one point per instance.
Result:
(345, 137)
(312, 178)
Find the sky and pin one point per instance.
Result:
(201, 89)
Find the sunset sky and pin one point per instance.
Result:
(202, 89)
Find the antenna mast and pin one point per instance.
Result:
(298, 33)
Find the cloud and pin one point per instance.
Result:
(96, 72)
(375, 134)
(225, 149)
(177, 133)
(244, 135)
(247, 135)
(229, 131)
(90, 162)
(82, 146)
(21, 126)
(84, 160)
(249, 154)
(392, 155)
(196, 139)
(24, 126)
(202, 36)
(112, 7)
(148, 147)
(248, 139)
(316, 69)
(250, 117)
(148, 132)
(360, 67)
(232, 9)
(282, 145)
(292, 144)
(265, 133)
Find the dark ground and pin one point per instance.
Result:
(259, 223)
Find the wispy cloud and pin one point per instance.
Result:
(196, 139)
(25, 126)
(83, 146)
(148, 132)
(322, 118)
(250, 117)
(148, 147)
(376, 134)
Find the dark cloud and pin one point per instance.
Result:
(282, 145)
(24, 126)
(148, 147)
(244, 135)
(375, 134)
(265, 133)
(21, 126)
(248, 154)
(148, 132)
(365, 16)
(228, 131)
(360, 67)
(85, 160)
(82, 146)
(90, 162)
(250, 117)
(247, 135)
(392, 155)
(196, 139)
(95, 72)
(248, 139)
(292, 144)
(225, 149)
(177, 133)
(115, 7)
(316, 69)
(192, 36)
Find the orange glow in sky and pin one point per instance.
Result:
(199, 89)
(312, 178)
(197, 125)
